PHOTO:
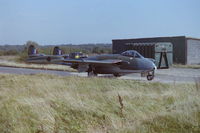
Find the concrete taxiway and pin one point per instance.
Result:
(180, 75)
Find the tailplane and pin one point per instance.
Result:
(32, 50)
(57, 51)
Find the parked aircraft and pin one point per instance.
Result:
(57, 57)
(117, 64)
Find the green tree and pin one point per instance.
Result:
(29, 43)
(96, 50)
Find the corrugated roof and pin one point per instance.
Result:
(193, 38)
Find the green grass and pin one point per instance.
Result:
(54, 104)
(186, 66)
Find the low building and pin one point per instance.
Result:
(186, 50)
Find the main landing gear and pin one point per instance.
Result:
(150, 75)
(91, 72)
(117, 75)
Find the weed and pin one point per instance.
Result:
(197, 83)
(121, 105)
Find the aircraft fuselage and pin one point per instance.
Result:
(129, 64)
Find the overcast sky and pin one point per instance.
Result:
(95, 21)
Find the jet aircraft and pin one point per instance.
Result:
(117, 64)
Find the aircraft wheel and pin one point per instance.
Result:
(91, 73)
(117, 75)
(150, 76)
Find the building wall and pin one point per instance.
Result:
(193, 51)
(179, 46)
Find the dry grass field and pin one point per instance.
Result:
(54, 104)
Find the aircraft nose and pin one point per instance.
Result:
(155, 67)
(152, 65)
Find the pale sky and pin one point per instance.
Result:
(95, 21)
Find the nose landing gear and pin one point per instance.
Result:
(150, 75)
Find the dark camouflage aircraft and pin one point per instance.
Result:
(117, 64)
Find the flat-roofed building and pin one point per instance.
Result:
(186, 50)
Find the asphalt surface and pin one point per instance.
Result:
(172, 75)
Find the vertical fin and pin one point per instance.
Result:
(32, 50)
(57, 51)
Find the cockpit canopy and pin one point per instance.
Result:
(132, 53)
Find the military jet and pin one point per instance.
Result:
(117, 64)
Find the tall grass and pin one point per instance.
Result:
(54, 104)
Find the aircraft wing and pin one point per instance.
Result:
(45, 59)
(87, 61)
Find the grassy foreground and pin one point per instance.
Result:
(54, 104)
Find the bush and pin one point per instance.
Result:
(9, 52)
